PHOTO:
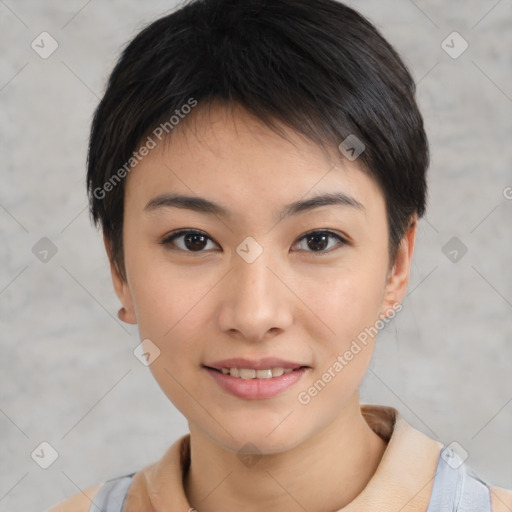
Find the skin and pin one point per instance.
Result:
(290, 303)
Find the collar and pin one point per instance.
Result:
(403, 479)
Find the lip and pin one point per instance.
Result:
(259, 364)
(256, 389)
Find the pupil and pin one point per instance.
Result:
(195, 243)
(315, 237)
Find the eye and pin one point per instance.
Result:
(193, 240)
(196, 241)
(319, 240)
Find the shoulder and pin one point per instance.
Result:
(501, 499)
(136, 496)
(80, 502)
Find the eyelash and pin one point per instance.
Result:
(177, 234)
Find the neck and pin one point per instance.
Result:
(322, 474)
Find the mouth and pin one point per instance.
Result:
(253, 379)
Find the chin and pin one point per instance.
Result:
(257, 438)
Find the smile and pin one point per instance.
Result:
(249, 373)
(251, 384)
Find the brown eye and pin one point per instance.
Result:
(318, 241)
(191, 240)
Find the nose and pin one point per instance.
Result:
(256, 302)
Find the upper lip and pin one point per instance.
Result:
(255, 364)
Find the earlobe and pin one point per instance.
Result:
(398, 277)
(125, 316)
(127, 312)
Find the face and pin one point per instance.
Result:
(256, 278)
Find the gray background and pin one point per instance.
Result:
(68, 374)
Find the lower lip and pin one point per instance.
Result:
(256, 388)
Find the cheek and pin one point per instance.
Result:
(170, 310)
(345, 303)
(350, 308)
(168, 298)
(173, 306)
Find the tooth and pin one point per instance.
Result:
(264, 374)
(249, 373)
(246, 373)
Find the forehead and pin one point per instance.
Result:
(228, 155)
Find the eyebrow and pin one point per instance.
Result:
(205, 206)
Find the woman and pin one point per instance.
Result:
(258, 170)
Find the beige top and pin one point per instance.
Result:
(402, 482)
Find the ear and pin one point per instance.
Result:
(398, 277)
(127, 313)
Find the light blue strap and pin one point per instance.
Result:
(456, 489)
(111, 496)
(476, 496)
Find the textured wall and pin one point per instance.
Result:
(68, 375)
